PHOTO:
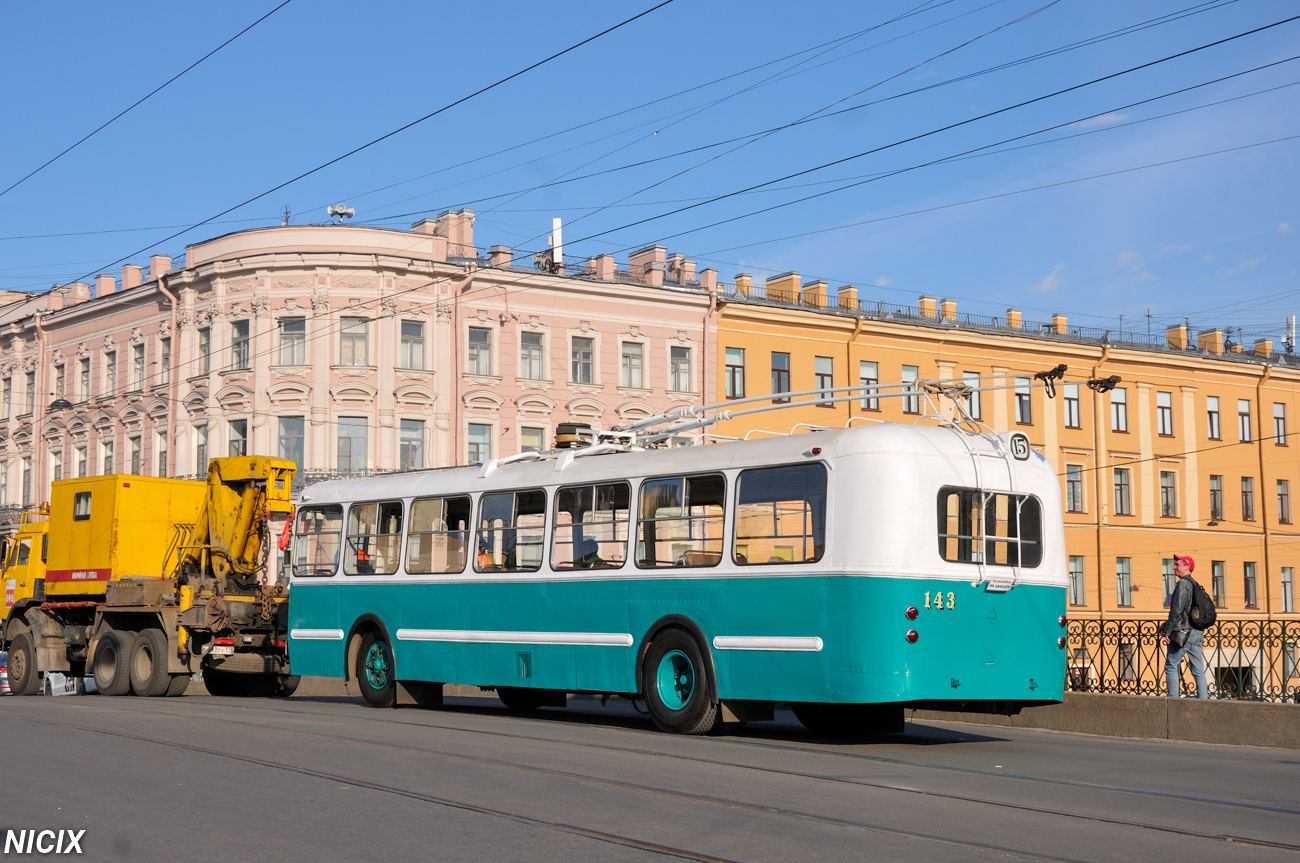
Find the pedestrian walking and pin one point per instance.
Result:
(1180, 637)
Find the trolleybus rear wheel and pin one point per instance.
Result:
(287, 685)
(850, 720)
(148, 665)
(678, 691)
(375, 671)
(24, 679)
(112, 665)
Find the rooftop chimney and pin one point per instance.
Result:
(158, 265)
(1013, 318)
(929, 307)
(132, 276)
(948, 310)
(742, 283)
(501, 256)
(1177, 336)
(104, 284)
(648, 264)
(848, 298)
(814, 294)
(783, 288)
(1210, 340)
(1060, 324)
(1263, 347)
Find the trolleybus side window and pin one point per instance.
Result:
(591, 526)
(511, 531)
(374, 538)
(438, 535)
(320, 530)
(992, 528)
(681, 521)
(781, 515)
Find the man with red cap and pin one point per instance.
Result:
(1179, 635)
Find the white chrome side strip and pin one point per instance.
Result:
(480, 636)
(316, 634)
(807, 644)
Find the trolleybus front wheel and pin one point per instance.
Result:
(375, 671)
(850, 720)
(678, 691)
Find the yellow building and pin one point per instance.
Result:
(1192, 453)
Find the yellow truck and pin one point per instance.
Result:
(140, 582)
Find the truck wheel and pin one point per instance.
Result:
(24, 679)
(112, 663)
(148, 668)
(678, 691)
(179, 683)
(375, 671)
(287, 685)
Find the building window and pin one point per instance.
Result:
(27, 481)
(1243, 420)
(531, 366)
(1071, 403)
(1078, 596)
(60, 385)
(1216, 497)
(240, 345)
(1123, 582)
(1218, 582)
(532, 440)
(582, 365)
(354, 342)
(83, 381)
(107, 458)
(735, 373)
(1284, 501)
(56, 466)
(479, 355)
(292, 439)
(632, 366)
(110, 374)
(1024, 407)
(869, 376)
(31, 393)
(1074, 488)
(160, 453)
(824, 378)
(6, 404)
(205, 351)
(1165, 414)
(1168, 495)
(83, 461)
(137, 367)
(1279, 423)
(679, 369)
(1249, 584)
(1247, 498)
(1212, 418)
(352, 445)
(201, 451)
(137, 455)
(1168, 577)
(972, 398)
(4, 484)
(1119, 410)
(238, 437)
(1288, 589)
(480, 443)
(1123, 498)
(293, 341)
(780, 376)
(411, 353)
(164, 361)
(412, 445)
(911, 403)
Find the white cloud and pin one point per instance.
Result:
(884, 282)
(1285, 228)
(1051, 282)
(1102, 120)
(1173, 250)
(1249, 263)
(1126, 258)
(1207, 258)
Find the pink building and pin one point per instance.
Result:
(347, 349)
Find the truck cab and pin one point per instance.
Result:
(23, 567)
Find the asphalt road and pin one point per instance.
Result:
(323, 779)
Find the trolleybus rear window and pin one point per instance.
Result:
(781, 515)
(591, 526)
(511, 531)
(320, 530)
(439, 535)
(374, 538)
(681, 521)
(992, 528)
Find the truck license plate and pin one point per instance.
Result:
(223, 650)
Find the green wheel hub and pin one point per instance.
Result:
(675, 679)
(378, 665)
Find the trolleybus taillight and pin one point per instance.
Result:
(1060, 621)
(912, 636)
(1060, 642)
(911, 612)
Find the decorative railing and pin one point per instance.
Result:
(1253, 660)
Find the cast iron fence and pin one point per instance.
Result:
(1253, 660)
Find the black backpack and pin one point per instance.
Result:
(1203, 612)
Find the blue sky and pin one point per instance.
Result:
(1211, 237)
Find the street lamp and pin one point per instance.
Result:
(59, 404)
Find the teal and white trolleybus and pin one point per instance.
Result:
(850, 573)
